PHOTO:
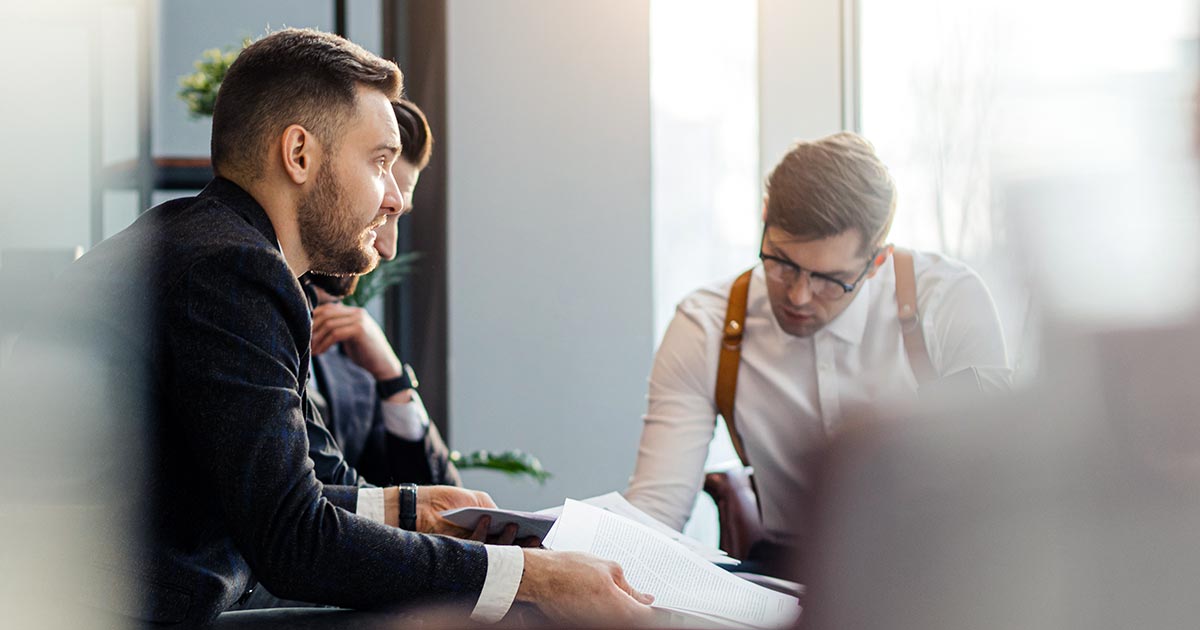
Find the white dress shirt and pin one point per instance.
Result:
(406, 420)
(792, 392)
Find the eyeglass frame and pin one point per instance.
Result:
(847, 288)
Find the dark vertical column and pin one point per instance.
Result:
(393, 20)
(339, 17)
(416, 314)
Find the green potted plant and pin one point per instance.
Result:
(514, 463)
(198, 90)
(387, 274)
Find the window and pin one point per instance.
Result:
(704, 165)
(1000, 121)
(704, 144)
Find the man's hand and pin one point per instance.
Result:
(507, 536)
(361, 338)
(579, 588)
(432, 500)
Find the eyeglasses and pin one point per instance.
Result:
(821, 285)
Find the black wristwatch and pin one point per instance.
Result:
(407, 380)
(408, 506)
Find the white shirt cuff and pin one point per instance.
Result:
(506, 565)
(370, 504)
(407, 421)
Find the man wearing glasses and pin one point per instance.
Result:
(831, 322)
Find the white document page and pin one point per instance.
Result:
(528, 523)
(615, 503)
(677, 578)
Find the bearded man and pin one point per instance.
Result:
(195, 315)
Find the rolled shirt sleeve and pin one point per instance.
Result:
(505, 565)
(407, 421)
(370, 504)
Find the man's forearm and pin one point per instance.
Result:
(391, 506)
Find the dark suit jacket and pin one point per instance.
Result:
(349, 442)
(193, 312)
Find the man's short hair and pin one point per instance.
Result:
(293, 76)
(824, 187)
(416, 140)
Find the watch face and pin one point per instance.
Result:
(412, 376)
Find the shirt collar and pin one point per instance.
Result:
(851, 324)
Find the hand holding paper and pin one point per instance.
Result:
(529, 524)
(432, 501)
(679, 579)
(579, 588)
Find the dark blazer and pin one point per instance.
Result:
(349, 442)
(194, 309)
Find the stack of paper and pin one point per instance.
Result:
(679, 579)
(615, 503)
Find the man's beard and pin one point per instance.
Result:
(334, 244)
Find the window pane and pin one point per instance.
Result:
(704, 165)
(1018, 132)
(704, 119)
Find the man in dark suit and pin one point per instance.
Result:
(364, 434)
(195, 317)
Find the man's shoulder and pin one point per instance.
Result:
(181, 245)
(936, 271)
(210, 226)
(209, 236)
(946, 285)
(708, 302)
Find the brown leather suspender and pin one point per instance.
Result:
(735, 328)
(910, 319)
(731, 358)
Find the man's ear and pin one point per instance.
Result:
(298, 148)
(884, 253)
(764, 217)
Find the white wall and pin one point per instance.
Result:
(551, 314)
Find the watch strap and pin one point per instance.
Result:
(408, 506)
(388, 387)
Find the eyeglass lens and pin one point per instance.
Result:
(789, 275)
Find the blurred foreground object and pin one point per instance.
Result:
(1075, 506)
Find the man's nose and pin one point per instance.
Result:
(800, 291)
(393, 201)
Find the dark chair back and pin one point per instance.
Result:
(737, 510)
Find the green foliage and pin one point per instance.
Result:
(388, 273)
(199, 89)
(515, 463)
